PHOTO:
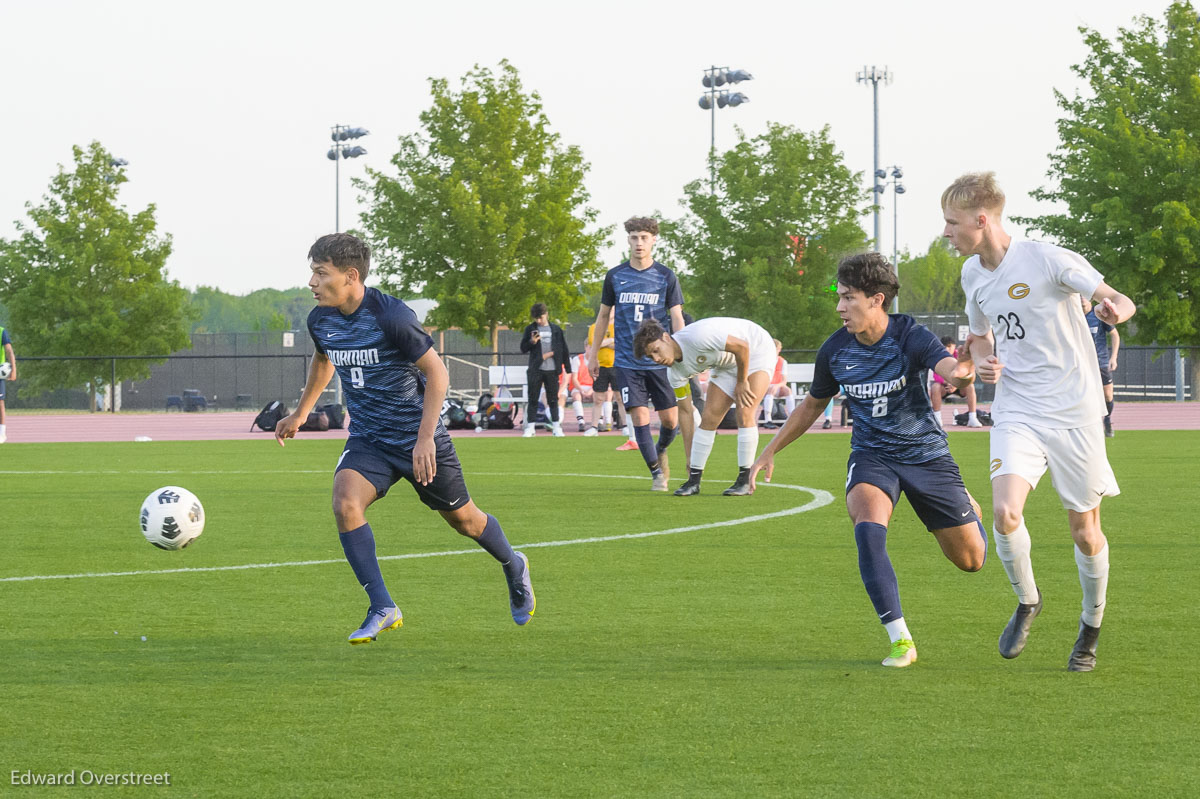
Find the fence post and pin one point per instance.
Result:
(1179, 375)
(112, 389)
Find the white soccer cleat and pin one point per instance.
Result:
(591, 431)
(973, 421)
(529, 432)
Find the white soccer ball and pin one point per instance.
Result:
(172, 517)
(5, 370)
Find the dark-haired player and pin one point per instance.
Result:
(639, 289)
(897, 446)
(394, 385)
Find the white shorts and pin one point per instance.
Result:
(1077, 460)
(725, 377)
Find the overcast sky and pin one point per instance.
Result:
(223, 109)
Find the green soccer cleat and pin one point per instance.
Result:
(376, 622)
(904, 653)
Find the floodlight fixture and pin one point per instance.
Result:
(714, 98)
(339, 151)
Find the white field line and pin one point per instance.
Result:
(820, 499)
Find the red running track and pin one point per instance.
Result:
(231, 426)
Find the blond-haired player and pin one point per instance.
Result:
(1028, 336)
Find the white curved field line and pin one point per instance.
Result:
(820, 499)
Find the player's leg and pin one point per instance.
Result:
(658, 386)
(1105, 378)
(716, 405)
(768, 405)
(533, 390)
(362, 477)
(870, 508)
(636, 399)
(620, 383)
(3, 426)
(940, 499)
(747, 435)
(1091, 558)
(552, 402)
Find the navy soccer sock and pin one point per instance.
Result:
(359, 546)
(495, 543)
(645, 442)
(665, 436)
(878, 576)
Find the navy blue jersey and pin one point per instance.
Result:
(634, 295)
(1100, 331)
(886, 390)
(375, 350)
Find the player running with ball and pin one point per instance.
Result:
(897, 446)
(742, 357)
(394, 383)
(1029, 337)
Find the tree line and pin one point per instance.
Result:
(485, 210)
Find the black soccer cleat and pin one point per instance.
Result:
(1012, 640)
(692, 487)
(1083, 656)
(741, 486)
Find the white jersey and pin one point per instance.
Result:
(1031, 303)
(703, 346)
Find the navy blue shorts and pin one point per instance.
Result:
(1105, 378)
(640, 387)
(2, 382)
(384, 467)
(934, 489)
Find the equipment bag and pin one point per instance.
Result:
(269, 416)
(317, 421)
(984, 418)
(497, 419)
(455, 416)
(336, 414)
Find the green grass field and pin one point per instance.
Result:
(739, 660)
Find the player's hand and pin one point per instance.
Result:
(989, 370)
(12, 377)
(964, 370)
(424, 460)
(535, 337)
(765, 461)
(547, 355)
(1106, 311)
(286, 428)
(1112, 364)
(593, 363)
(744, 395)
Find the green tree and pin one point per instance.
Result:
(1127, 170)
(765, 246)
(263, 309)
(86, 277)
(488, 212)
(931, 283)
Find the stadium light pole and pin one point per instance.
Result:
(714, 78)
(897, 190)
(340, 135)
(875, 76)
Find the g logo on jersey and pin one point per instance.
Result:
(1018, 291)
(701, 359)
(995, 465)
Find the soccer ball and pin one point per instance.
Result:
(172, 517)
(5, 370)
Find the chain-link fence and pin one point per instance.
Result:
(245, 371)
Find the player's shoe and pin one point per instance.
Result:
(973, 421)
(628, 446)
(1012, 640)
(658, 482)
(591, 431)
(904, 653)
(521, 600)
(530, 431)
(3, 437)
(1083, 656)
(557, 431)
(604, 427)
(741, 486)
(1108, 431)
(826, 425)
(376, 622)
(582, 426)
(692, 487)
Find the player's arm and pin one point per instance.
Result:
(740, 350)
(983, 353)
(958, 373)
(320, 370)
(593, 352)
(1112, 306)
(437, 381)
(798, 421)
(1114, 345)
(527, 338)
(677, 322)
(12, 359)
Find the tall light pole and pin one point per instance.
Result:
(714, 78)
(897, 190)
(340, 150)
(875, 76)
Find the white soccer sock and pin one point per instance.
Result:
(972, 417)
(629, 427)
(606, 412)
(937, 417)
(747, 447)
(578, 405)
(702, 444)
(789, 403)
(828, 410)
(1013, 551)
(1093, 578)
(898, 631)
(768, 407)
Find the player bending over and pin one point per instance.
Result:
(394, 384)
(1029, 337)
(741, 356)
(897, 446)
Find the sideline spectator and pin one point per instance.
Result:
(1102, 332)
(6, 357)
(940, 390)
(547, 348)
(778, 388)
